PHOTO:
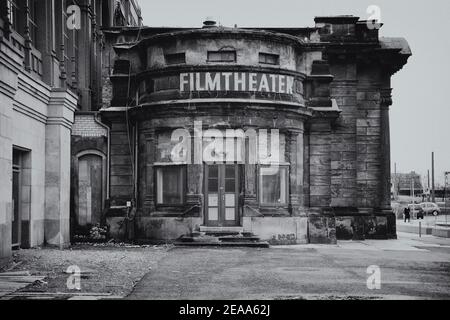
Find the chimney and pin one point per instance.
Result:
(209, 22)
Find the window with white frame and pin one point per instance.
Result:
(273, 185)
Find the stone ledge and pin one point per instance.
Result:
(414, 229)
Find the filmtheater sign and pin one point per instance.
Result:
(236, 81)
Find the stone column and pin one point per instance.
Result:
(296, 151)
(320, 163)
(150, 141)
(195, 174)
(306, 171)
(61, 110)
(321, 219)
(8, 87)
(343, 153)
(385, 197)
(250, 200)
(385, 192)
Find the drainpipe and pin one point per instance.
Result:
(136, 162)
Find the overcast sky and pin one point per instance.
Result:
(420, 115)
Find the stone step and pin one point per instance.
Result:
(224, 244)
(191, 239)
(221, 230)
(239, 239)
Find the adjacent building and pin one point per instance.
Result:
(405, 184)
(279, 132)
(50, 68)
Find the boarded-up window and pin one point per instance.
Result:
(175, 58)
(269, 58)
(222, 56)
(167, 83)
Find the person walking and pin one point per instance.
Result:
(407, 214)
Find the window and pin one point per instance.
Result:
(166, 83)
(14, 14)
(268, 58)
(170, 185)
(32, 20)
(175, 58)
(17, 17)
(71, 54)
(222, 56)
(273, 186)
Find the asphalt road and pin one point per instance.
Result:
(410, 268)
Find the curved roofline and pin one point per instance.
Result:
(219, 32)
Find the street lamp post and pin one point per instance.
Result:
(445, 195)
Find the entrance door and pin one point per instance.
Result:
(222, 195)
(16, 218)
(90, 190)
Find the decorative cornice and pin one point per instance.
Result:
(38, 90)
(386, 98)
(29, 112)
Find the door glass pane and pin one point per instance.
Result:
(213, 172)
(230, 214)
(230, 185)
(213, 214)
(230, 172)
(213, 179)
(213, 200)
(230, 200)
(213, 185)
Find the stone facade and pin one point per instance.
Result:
(36, 120)
(325, 89)
(47, 73)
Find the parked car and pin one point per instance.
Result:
(417, 211)
(430, 208)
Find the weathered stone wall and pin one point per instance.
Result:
(278, 230)
(319, 163)
(343, 141)
(246, 49)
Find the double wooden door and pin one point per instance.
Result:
(222, 195)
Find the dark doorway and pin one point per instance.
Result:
(16, 186)
(21, 198)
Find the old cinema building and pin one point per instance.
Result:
(283, 133)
